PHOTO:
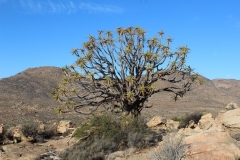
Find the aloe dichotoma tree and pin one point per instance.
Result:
(121, 70)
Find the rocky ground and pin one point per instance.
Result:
(211, 138)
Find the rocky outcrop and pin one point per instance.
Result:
(212, 151)
(211, 138)
(64, 126)
(18, 136)
(172, 125)
(216, 138)
(230, 122)
(212, 144)
(206, 121)
(208, 139)
(157, 120)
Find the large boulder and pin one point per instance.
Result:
(64, 126)
(172, 125)
(206, 121)
(212, 144)
(230, 121)
(157, 120)
(212, 151)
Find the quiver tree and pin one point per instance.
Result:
(121, 70)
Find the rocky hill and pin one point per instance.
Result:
(212, 96)
(27, 95)
(32, 86)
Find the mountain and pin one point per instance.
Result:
(26, 96)
(212, 96)
(32, 86)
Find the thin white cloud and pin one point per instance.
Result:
(92, 7)
(47, 6)
(66, 7)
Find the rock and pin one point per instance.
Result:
(211, 151)
(63, 126)
(54, 127)
(1, 149)
(206, 121)
(120, 154)
(231, 119)
(171, 124)
(232, 106)
(18, 135)
(41, 128)
(188, 131)
(211, 135)
(191, 124)
(157, 120)
(1, 129)
(221, 112)
(211, 144)
(197, 129)
(49, 155)
(231, 122)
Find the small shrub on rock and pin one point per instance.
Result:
(172, 148)
(184, 120)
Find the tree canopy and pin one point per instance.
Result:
(120, 68)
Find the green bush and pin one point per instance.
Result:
(103, 134)
(184, 120)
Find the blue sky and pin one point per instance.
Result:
(36, 33)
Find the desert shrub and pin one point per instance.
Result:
(99, 126)
(50, 131)
(8, 132)
(29, 128)
(128, 123)
(172, 148)
(105, 133)
(184, 120)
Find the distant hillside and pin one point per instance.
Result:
(26, 95)
(32, 86)
(212, 96)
